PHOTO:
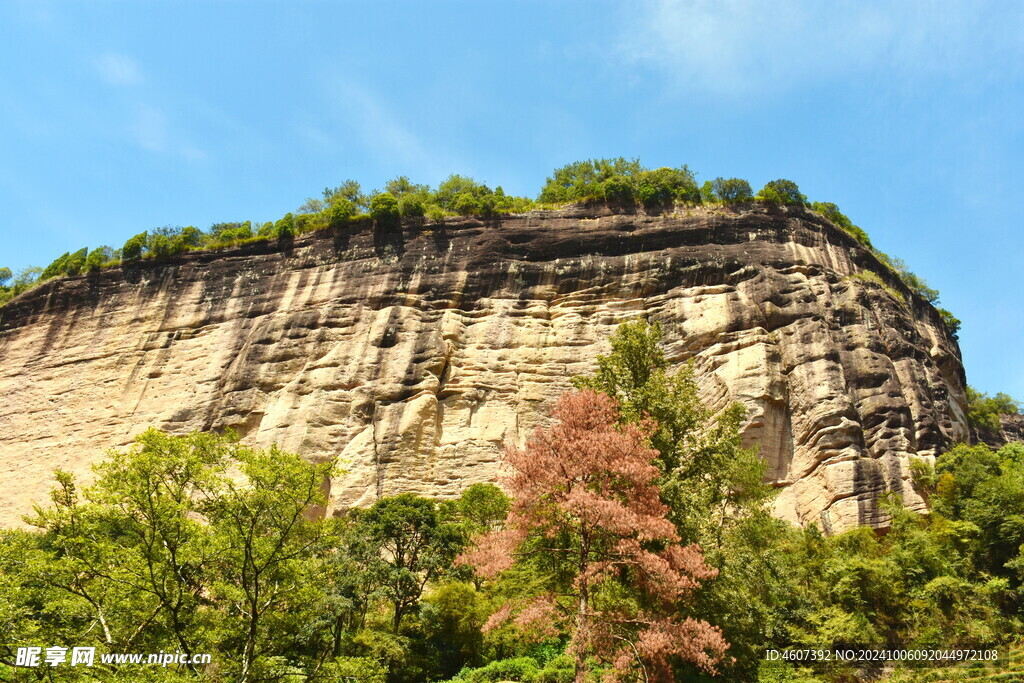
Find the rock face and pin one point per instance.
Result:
(1011, 430)
(413, 355)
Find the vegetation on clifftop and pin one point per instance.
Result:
(617, 181)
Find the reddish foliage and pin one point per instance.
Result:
(591, 481)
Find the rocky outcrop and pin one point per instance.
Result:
(413, 355)
(1011, 430)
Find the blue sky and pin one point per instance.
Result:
(117, 117)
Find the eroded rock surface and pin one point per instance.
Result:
(414, 356)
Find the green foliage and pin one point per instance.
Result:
(664, 186)
(618, 189)
(781, 191)
(284, 228)
(353, 670)
(411, 206)
(133, 248)
(518, 669)
(232, 232)
(986, 489)
(916, 284)
(461, 195)
(951, 322)
(584, 180)
(56, 268)
(406, 543)
(622, 182)
(707, 192)
(98, 257)
(340, 211)
(732, 190)
(402, 187)
(5, 276)
(983, 411)
(384, 209)
(25, 280)
(350, 191)
(712, 485)
(705, 468)
(832, 213)
(169, 551)
(76, 262)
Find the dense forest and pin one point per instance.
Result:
(631, 541)
(619, 182)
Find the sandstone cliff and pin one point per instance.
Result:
(414, 356)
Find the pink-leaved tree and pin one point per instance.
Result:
(586, 515)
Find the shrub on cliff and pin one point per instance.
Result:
(732, 190)
(350, 191)
(621, 182)
(983, 411)
(340, 211)
(832, 213)
(781, 191)
(56, 268)
(133, 247)
(230, 232)
(98, 257)
(584, 180)
(384, 209)
(284, 228)
(665, 186)
(951, 322)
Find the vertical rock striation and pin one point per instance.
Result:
(414, 356)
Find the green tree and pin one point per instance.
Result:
(466, 205)
(385, 211)
(350, 191)
(407, 543)
(57, 268)
(133, 248)
(98, 257)
(732, 190)
(782, 191)
(169, 551)
(403, 187)
(284, 228)
(340, 211)
(831, 212)
(618, 189)
(584, 180)
(461, 195)
(664, 186)
(412, 206)
(707, 475)
(712, 485)
(265, 537)
(983, 411)
(707, 192)
(5, 276)
(951, 322)
(192, 237)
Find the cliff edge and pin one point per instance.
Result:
(414, 354)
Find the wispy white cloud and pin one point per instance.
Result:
(118, 69)
(743, 46)
(152, 131)
(367, 120)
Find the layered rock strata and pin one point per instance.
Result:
(414, 354)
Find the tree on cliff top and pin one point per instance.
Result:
(587, 517)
